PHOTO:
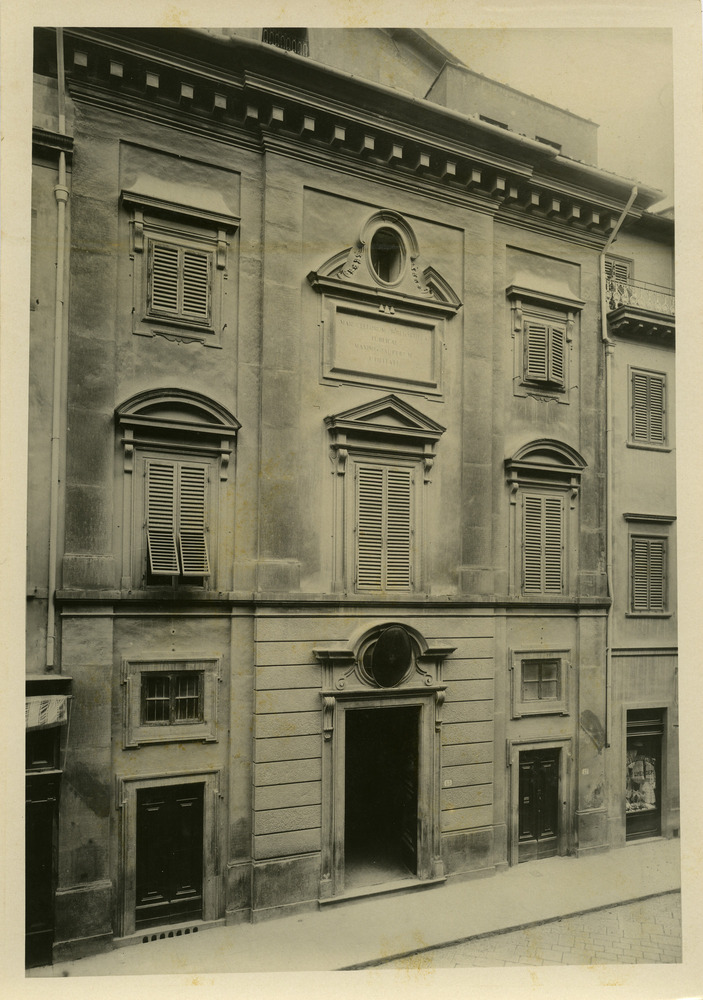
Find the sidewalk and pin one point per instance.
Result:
(363, 932)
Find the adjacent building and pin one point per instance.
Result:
(351, 529)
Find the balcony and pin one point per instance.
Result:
(639, 308)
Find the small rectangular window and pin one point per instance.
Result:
(648, 558)
(541, 680)
(172, 698)
(648, 407)
(545, 354)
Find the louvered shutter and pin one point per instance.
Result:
(657, 431)
(553, 544)
(536, 351)
(369, 540)
(648, 408)
(619, 270)
(399, 529)
(648, 574)
(532, 544)
(196, 284)
(657, 574)
(164, 278)
(192, 544)
(543, 544)
(161, 480)
(640, 407)
(557, 352)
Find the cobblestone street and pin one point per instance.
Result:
(643, 932)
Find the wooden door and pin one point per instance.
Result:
(169, 854)
(538, 827)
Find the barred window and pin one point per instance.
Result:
(172, 698)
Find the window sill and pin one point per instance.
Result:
(519, 713)
(649, 614)
(642, 446)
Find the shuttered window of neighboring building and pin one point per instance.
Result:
(648, 572)
(545, 353)
(618, 269)
(543, 543)
(384, 534)
(176, 498)
(648, 405)
(179, 282)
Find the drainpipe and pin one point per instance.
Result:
(61, 195)
(609, 349)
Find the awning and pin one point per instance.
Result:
(42, 711)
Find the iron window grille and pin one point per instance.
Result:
(172, 698)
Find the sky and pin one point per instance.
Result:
(620, 78)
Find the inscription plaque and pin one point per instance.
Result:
(368, 347)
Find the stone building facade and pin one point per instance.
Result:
(333, 489)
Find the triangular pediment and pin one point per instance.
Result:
(389, 414)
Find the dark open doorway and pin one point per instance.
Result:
(381, 792)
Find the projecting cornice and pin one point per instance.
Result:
(253, 95)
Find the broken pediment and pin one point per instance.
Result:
(385, 264)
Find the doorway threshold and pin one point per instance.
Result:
(383, 889)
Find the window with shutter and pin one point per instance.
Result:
(648, 573)
(179, 282)
(176, 502)
(647, 402)
(384, 528)
(618, 268)
(543, 544)
(545, 353)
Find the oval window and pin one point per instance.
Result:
(389, 658)
(387, 255)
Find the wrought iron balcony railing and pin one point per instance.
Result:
(639, 295)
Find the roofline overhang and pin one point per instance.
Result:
(258, 57)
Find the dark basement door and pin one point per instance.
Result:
(169, 854)
(538, 804)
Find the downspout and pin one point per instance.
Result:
(609, 349)
(61, 195)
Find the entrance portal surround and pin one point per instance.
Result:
(347, 685)
(127, 788)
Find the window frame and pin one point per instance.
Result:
(136, 732)
(172, 426)
(389, 433)
(635, 371)
(172, 676)
(558, 311)
(545, 706)
(546, 469)
(154, 222)
(650, 582)
(654, 528)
